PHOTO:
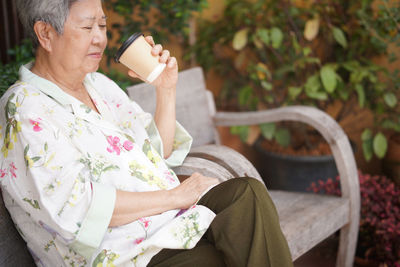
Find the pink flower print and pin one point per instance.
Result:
(118, 105)
(145, 222)
(128, 145)
(12, 170)
(169, 176)
(36, 125)
(138, 240)
(3, 173)
(115, 146)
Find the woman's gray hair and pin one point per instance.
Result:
(53, 12)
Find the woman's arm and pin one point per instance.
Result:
(130, 206)
(165, 115)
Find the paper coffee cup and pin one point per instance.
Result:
(135, 53)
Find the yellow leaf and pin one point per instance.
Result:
(240, 39)
(311, 29)
(262, 69)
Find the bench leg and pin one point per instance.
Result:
(347, 245)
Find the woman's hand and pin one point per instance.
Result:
(188, 192)
(169, 77)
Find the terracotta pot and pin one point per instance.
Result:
(391, 162)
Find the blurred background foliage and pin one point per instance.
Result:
(276, 53)
(319, 53)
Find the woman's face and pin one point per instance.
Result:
(80, 47)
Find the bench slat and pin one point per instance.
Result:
(306, 219)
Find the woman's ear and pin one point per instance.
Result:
(45, 34)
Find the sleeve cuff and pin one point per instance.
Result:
(182, 144)
(96, 222)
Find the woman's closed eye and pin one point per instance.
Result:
(89, 28)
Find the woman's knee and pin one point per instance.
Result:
(253, 183)
(245, 185)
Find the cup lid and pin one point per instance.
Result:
(126, 44)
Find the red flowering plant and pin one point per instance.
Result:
(379, 236)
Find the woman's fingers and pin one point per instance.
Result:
(164, 56)
(133, 74)
(171, 62)
(157, 49)
(150, 40)
(192, 188)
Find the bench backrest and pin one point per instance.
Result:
(195, 105)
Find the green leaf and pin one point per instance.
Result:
(276, 37)
(389, 124)
(361, 95)
(313, 83)
(26, 149)
(240, 39)
(312, 88)
(366, 135)
(263, 34)
(328, 77)
(380, 145)
(11, 108)
(367, 150)
(34, 159)
(266, 85)
(242, 131)
(390, 99)
(294, 92)
(342, 90)
(306, 51)
(46, 147)
(318, 95)
(282, 136)
(268, 130)
(245, 95)
(339, 36)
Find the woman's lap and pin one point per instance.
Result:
(245, 232)
(203, 254)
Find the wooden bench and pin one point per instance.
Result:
(306, 219)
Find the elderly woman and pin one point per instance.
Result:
(86, 174)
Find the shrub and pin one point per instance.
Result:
(21, 54)
(379, 236)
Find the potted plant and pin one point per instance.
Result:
(319, 53)
(378, 242)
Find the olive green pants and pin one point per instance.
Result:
(245, 232)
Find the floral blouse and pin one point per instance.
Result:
(62, 162)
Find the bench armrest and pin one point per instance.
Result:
(228, 158)
(324, 124)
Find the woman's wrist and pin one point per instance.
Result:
(166, 90)
(173, 196)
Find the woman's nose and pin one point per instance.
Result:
(100, 35)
